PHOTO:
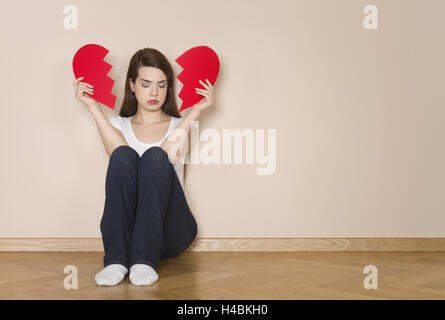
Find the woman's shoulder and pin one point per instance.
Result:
(176, 121)
(119, 118)
(117, 121)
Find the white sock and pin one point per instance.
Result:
(143, 275)
(111, 275)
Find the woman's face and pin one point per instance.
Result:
(151, 84)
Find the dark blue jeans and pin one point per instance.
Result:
(146, 216)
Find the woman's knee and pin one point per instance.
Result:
(154, 154)
(124, 156)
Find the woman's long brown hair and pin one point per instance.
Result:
(149, 57)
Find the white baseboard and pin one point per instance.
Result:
(240, 244)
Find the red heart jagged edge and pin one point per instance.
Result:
(88, 63)
(198, 63)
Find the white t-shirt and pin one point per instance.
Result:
(124, 125)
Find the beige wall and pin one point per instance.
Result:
(359, 115)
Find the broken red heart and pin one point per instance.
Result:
(198, 63)
(88, 63)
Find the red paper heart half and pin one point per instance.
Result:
(198, 63)
(88, 63)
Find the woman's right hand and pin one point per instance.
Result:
(81, 91)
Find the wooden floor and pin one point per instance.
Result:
(233, 275)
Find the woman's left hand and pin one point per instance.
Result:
(207, 93)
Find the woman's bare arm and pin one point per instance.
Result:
(180, 137)
(178, 143)
(111, 136)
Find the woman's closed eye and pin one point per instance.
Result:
(159, 87)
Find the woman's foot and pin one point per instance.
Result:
(111, 275)
(143, 275)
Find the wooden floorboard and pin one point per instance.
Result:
(233, 275)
